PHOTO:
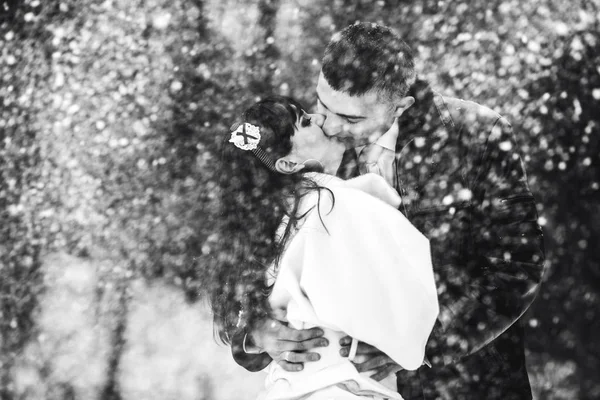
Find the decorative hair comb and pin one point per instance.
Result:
(246, 136)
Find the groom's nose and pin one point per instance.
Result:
(332, 126)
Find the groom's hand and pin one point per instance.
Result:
(287, 346)
(370, 359)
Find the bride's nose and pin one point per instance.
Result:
(319, 119)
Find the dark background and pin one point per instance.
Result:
(110, 112)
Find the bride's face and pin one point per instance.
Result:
(310, 142)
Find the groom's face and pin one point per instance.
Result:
(354, 120)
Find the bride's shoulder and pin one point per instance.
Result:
(325, 180)
(372, 184)
(320, 196)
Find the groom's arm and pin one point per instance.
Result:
(482, 297)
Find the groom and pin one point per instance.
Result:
(456, 167)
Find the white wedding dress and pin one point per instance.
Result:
(358, 268)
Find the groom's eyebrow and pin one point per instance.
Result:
(341, 115)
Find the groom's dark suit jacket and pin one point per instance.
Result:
(463, 186)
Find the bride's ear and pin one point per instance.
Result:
(285, 166)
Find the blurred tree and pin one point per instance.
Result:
(20, 235)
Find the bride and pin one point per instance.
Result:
(294, 243)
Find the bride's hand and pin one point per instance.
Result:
(287, 346)
(372, 359)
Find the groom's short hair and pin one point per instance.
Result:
(367, 57)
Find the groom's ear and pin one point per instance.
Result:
(286, 166)
(403, 104)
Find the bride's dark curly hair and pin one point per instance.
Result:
(253, 200)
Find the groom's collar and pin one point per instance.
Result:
(420, 120)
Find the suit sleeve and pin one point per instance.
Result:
(482, 296)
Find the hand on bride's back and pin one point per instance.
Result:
(369, 358)
(289, 347)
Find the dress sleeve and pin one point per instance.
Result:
(360, 267)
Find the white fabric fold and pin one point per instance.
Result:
(358, 268)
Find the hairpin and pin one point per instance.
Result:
(245, 136)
